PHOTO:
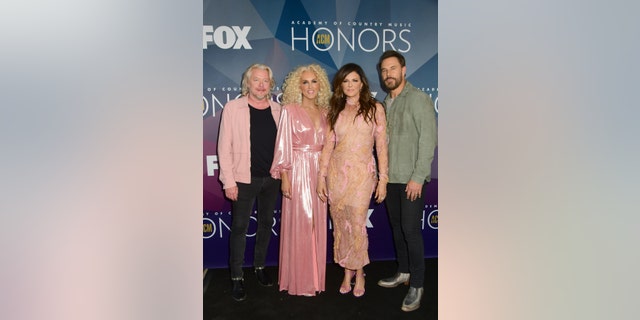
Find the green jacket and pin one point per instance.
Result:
(411, 128)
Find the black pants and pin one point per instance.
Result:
(265, 191)
(405, 217)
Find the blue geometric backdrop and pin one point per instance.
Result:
(285, 34)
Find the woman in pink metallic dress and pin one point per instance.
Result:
(349, 177)
(303, 228)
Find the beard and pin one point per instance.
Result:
(392, 83)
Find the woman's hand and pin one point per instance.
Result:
(322, 189)
(285, 186)
(381, 191)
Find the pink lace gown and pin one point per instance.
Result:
(348, 162)
(303, 227)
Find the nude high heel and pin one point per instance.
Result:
(344, 289)
(359, 292)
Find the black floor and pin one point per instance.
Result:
(269, 303)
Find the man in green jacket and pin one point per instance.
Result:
(411, 128)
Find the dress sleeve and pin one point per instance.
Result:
(327, 150)
(380, 136)
(282, 154)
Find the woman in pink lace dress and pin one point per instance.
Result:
(301, 134)
(357, 123)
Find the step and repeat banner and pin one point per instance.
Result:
(283, 35)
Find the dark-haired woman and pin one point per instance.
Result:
(348, 171)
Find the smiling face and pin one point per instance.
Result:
(309, 85)
(259, 84)
(352, 85)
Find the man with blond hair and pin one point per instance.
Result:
(245, 151)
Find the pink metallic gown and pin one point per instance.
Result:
(348, 162)
(303, 228)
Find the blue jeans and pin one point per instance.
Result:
(405, 217)
(265, 190)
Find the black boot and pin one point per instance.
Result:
(237, 292)
(263, 277)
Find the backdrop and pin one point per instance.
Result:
(283, 35)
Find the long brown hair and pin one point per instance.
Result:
(338, 100)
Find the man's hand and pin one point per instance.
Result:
(231, 193)
(413, 190)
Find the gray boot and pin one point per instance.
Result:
(394, 281)
(412, 299)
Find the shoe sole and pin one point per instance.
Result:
(392, 285)
(410, 308)
(239, 299)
